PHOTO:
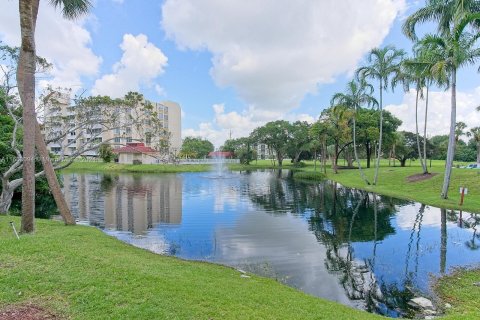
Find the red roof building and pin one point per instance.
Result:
(137, 153)
(221, 154)
(135, 148)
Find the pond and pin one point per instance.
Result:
(363, 250)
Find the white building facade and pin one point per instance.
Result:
(61, 119)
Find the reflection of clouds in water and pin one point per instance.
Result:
(302, 258)
(432, 217)
(154, 242)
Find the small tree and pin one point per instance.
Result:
(105, 152)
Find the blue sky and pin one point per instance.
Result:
(232, 65)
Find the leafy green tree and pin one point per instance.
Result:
(474, 133)
(406, 147)
(105, 152)
(242, 149)
(383, 66)
(358, 94)
(193, 147)
(337, 122)
(440, 145)
(276, 135)
(299, 140)
(367, 129)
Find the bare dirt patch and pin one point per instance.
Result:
(421, 176)
(26, 312)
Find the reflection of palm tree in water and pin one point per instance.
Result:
(417, 226)
(443, 240)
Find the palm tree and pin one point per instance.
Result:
(357, 93)
(383, 65)
(445, 12)
(416, 71)
(26, 86)
(460, 130)
(451, 52)
(475, 134)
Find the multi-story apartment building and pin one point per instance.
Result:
(263, 152)
(77, 127)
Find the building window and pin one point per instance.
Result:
(117, 131)
(129, 139)
(148, 138)
(72, 133)
(128, 130)
(56, 149)
(117, 140)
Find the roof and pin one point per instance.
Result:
(220, 154)
(135, 148)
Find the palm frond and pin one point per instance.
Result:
(72, 9)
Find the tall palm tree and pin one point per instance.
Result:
(450, 52)
(383, 65)
(445, 12)
(26, 86)
(475, 134)
(356, 95)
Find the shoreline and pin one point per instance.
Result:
(393, 180)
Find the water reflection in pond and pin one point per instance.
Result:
(363, 250)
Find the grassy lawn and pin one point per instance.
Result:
(458, 289)
(81, 273)
(146, 168)
(392, 181)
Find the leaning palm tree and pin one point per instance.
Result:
(356, 95)
(452, 51)
(383, 65)
(445, 12)
(26, 87)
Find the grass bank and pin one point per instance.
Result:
(392, 181)
(81, 273)
(145, 168)
(459, 290)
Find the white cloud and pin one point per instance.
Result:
(439, 111)
(238, 124)
(64, 43)
(274, 52)
(140, 64)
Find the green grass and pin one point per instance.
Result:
(392, 181)
(458, 290)
(146, 168)
(81, 273)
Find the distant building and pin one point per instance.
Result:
(264, 152)
(60, 118)
(137, 153)
(221, 154)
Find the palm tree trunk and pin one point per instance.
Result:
(362, 174)
(451, 138)
(26, 88)
(52, 178)
(417, 134)
(478, 152)
(425, 133)
(379, 152)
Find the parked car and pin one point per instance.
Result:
(473, 166)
